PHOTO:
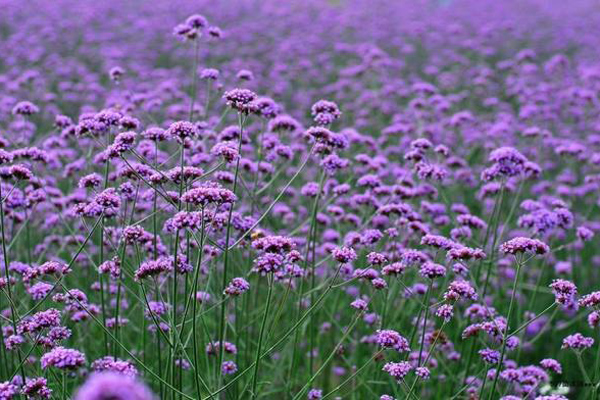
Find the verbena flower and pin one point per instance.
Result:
(524, 245)
(397, 370)
(388, 338)
(114, 386)
(63, 358)
(577, 342)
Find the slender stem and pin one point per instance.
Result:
(260, 339)
(494, 241)
(64, 385)
(174, 366)
(311, 246)
(287, 334)
(125, 348)
(196, 351)
(13, 311)
(425, 319)
(101, 280)
(582, 367)
(505, 335)
(485, 375)
(351, 377)
(526, 324)
(328, 359)
(257, 175)
(275, 200)
(222, 322)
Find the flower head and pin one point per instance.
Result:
(524, 245)
(109, 385)
(241, 100)
(393, 340)
(63, 358)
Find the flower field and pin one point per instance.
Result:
(316, 199)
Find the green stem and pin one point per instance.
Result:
(196, 351)
(425, 319)
(13, 311)
(286, 335)
(222, 322)
(254, 393)
(582, 367)
(328, 359)
(505, 335)
(526, 324)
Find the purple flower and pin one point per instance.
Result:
(325, 112)
(112, 267)
(63, 358)
(20, 172)
(209, 74)
(577, 342)
(36, 388)
(213, 348)
(584, 234)
(431, 270)
(344, 255)
(438, 241)
(465, 254)
(228, 368)
(269, 262)
(5, 157)
(109, 385)
(108, 199)
(552, 365)
(184, 220)
(392, 340)
(90, 181)
(118, 366)
(359, 304)
(524, 245)
(116, 73)
(332, 163)
(376, 258)
(182, 130)
(283, 123)
(237, 286)
(156, 134)
(40, 290)
(490, 356)
(398, 370)
(507, 161)
(396, 268)
(241, 100)
(564, 291)
(590, 300)
(244, 75)
(460, 289)
(445, 311)
(25, 108)
(227, 150)
(204, 195)
(379, 283)
(423, 373)
(153, 268)
(8, 391)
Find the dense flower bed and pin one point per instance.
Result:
(357, 199)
